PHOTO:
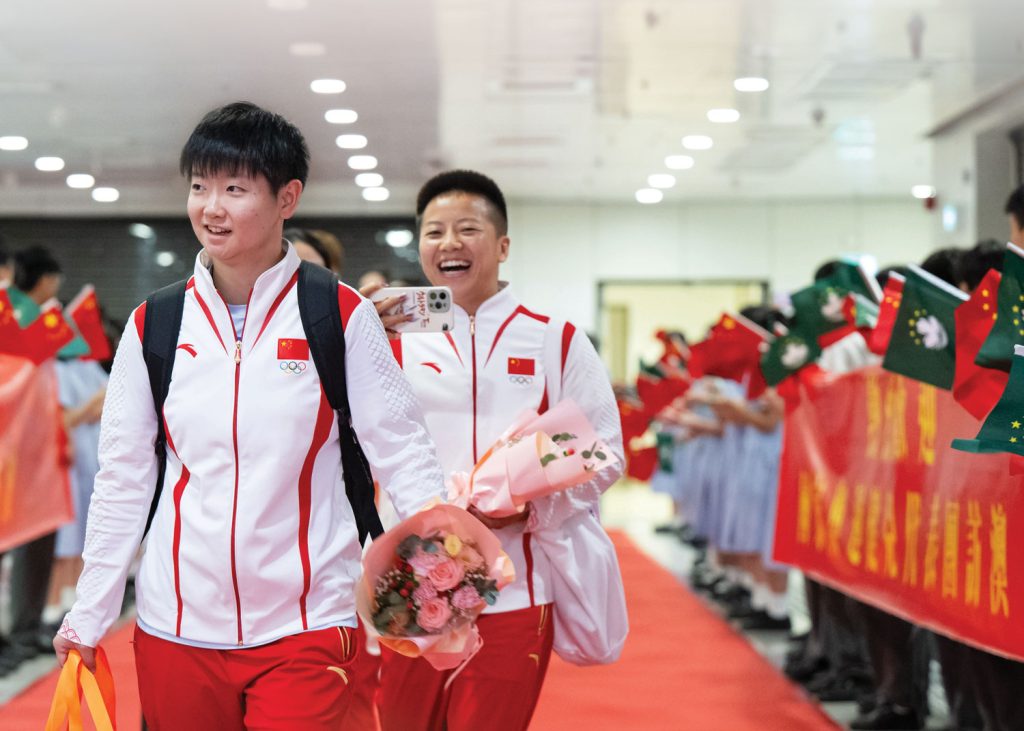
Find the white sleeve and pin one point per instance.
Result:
(387, 418)
(123, 493)
(585, 381)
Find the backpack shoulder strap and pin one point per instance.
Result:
(321, 320)
(162, 323)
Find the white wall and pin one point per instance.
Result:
(560, 252)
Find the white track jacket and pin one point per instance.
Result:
(473, 382)
(253, 538)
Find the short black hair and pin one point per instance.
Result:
(826, 270)
(882, 277)
(764, 316)
(465, 181)
(976, 261)
(304, 235)
(946, 264)
(242, 138)
(5, 255)
(31, 265)
(1015, 206)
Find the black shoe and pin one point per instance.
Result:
(14, 655)
(728, 592)
(740, 610)
(839, 687)
(803, 669)
(761, 620)
(887, 717)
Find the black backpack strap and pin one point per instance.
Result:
(321, 320)
(159, 343)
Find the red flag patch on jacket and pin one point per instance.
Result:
(520, 366)
(292, 349)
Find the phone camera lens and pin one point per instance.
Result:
(443, 295)
(433, 295)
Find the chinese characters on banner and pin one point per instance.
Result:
(34, 494)
(873, 501)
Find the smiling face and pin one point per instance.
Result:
(237, 218)
(460, 247)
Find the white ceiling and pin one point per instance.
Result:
(556, 99)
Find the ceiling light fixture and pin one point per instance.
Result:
(661, 180)
(723, 116)
(376, 194)
(307, 49)
(362, 162)
(49, 164)
(750, 84)
(327, 86)
(923, 191)
(13, 143)
(679, 162)
(399, 237)
(105, 195)
(697, 142)
(649, 195)
(351, 142)
(81, 181)
(341, 116)
(369, 180)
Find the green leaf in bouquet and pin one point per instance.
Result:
(600, 455)
(547, 459)
(408, 546)
(563, 437)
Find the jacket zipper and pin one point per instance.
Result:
(234, 442)
(472, 340)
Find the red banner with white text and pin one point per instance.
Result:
(874, 502)
(34, 494)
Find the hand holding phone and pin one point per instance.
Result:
(429, 308)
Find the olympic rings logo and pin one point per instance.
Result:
(520, 380)
(294, 367)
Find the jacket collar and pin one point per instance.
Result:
(492, 311)
(268, 287)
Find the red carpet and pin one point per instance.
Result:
(682, 668)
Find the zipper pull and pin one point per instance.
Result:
(238, 352)
(472, 324)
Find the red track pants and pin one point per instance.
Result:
(297, 682)
(497, 690)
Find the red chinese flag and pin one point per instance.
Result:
(47, 334)
(11, 340)
(292, 349)
(84, 311)
(878, 341)
(520, 366)
(975, 388)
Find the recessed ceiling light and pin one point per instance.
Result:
(81, 180)
(697, 142)
(142, 231)
(287, 4)
(351, 142)
(13, 143)
(923, 191)
(376, 194)
(649, 195)
(661, 180)
(723, 116)
(750, 83)
(307, 48)
(49, 164)
(327, 86)
(679, 162)
(341, 116)
(362, 162)
(369, 180)
(399, 237)
(165, 258)
(105, 195)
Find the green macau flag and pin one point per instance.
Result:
(851, 275)
(819, 309)
(1003, 430)
(789, 352)
(923, 342)
(1008, 330)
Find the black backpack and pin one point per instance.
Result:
(321, 320)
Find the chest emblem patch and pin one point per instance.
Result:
(292, 354)
(521, 371)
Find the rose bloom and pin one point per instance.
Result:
(466, 599)
(434, 614)
(424, 591)
(446, 574)
(422, 562)
(471, 557)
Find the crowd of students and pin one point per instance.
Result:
(719, 454)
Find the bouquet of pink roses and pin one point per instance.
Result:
(537, 455)
(426, 581)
